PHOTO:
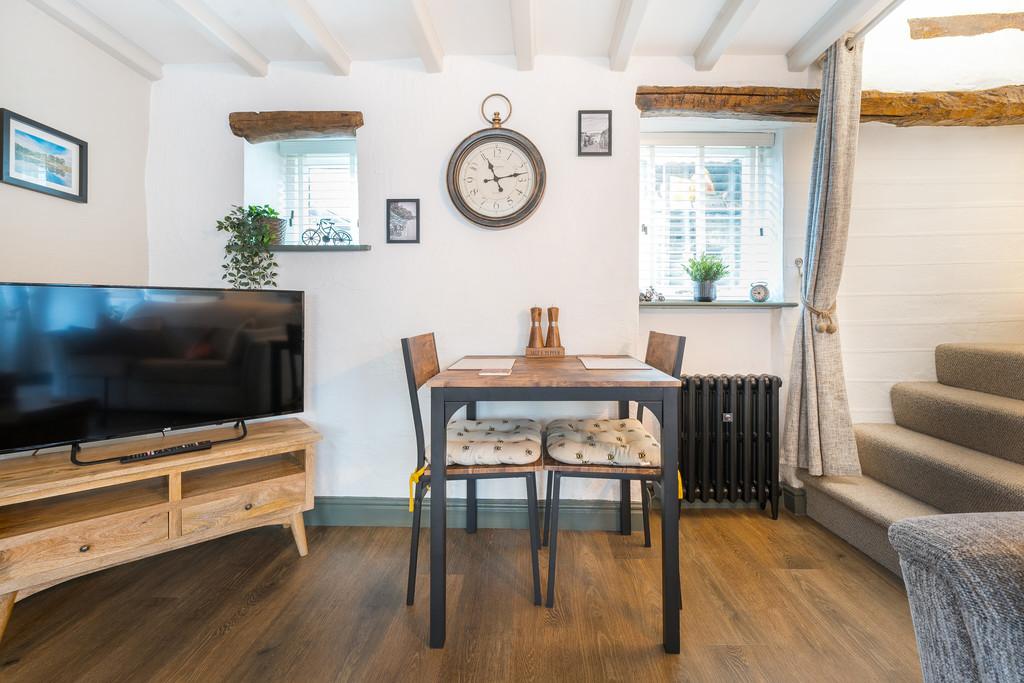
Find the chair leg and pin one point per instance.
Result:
(417, 509)
(471, 506)
(645, 501)
(625, 508)
(547, 508)
(553, 551)
(531, 496)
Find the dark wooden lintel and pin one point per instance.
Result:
(1002, 106)
(265, 126)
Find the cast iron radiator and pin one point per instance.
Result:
(730, 439)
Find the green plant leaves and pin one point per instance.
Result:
(248, 262)
(707, 268)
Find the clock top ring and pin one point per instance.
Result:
(496, 120)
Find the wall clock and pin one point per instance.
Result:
(496, 176)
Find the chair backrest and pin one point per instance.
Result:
(420, 353)
(665, 352)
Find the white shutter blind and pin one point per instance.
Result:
(319, 180)
(710, 193)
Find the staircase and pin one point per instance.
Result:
(957, 446)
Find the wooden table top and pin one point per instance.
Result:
(553, 372)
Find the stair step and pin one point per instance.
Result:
(991, 368)
(859, 510)
(950, 477)
(985, 422)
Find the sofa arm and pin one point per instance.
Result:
(965, 581)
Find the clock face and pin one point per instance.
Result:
(496, 178)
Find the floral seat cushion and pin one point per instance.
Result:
(493, 442)
(603, 442)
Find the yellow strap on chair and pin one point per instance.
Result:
(679, 480)
(414, 479)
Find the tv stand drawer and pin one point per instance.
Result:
(69, 545)
(266, 499)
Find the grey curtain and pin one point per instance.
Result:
(818, 435)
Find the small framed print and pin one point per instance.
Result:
(595, 133)
(40, 158)
(403, 221)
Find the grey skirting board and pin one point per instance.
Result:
(492, 513)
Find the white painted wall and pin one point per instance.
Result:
(473, 287)
(51, 75)
(935, 210)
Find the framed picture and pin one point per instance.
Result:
(43, 159)
(595, 133)
(403, 221)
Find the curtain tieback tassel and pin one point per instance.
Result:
(414, 479)
(825, 322)
(679, 484)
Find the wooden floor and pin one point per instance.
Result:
(763, 600)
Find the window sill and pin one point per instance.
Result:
(319, 247)
(718, 304)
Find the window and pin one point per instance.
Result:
(313, 184)
(319, 188)
(713, 193)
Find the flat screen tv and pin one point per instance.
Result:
(86, 363)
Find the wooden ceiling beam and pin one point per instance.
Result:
(964, 25)
(722, 32)
(102, 35)
(426, 38)
(267, 126)
(524, 32)
(1002, 106)
(842, 17)
(627, 28)
(307, 23)
(220, 33)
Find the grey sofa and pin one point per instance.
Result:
(965, 580)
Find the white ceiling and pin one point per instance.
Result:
(394, 29)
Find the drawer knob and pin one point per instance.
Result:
(84, 549)
(248, 506)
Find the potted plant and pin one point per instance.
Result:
(248, 262)
(705, 272)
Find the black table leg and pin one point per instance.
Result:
(470, 506)
(670, 589)
(438, 516)
(625, 508)
(625, 496)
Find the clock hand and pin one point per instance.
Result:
(496, 178)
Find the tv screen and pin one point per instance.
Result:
(82, 363)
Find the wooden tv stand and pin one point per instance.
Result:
(59, 521)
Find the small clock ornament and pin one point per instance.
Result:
(496, 176)
(759, 292)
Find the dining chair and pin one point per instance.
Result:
(494, 448)
(620, 449)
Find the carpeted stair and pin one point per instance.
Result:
(957, 446)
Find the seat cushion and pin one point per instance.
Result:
(493, 442)
(603, 442)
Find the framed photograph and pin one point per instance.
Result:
(595, 133)
(40, 158)
(403, 221)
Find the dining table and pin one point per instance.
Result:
(566, 378)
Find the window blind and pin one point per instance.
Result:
(319, 180)
(710, 193)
